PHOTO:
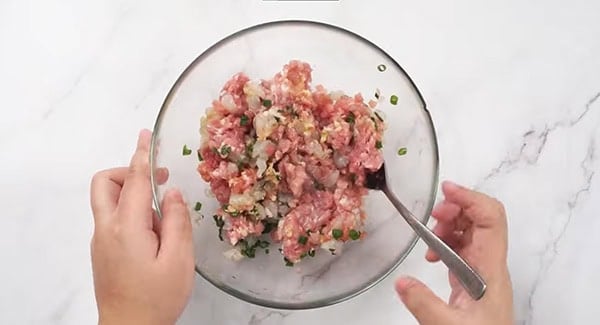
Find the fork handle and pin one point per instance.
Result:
(466, 275)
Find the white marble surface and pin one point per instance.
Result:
(513, 87)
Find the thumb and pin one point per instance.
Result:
(427, 308)
(176, 228)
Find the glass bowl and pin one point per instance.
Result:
(341, 60)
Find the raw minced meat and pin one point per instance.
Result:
(287, 162)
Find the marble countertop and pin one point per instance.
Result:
(513, 87)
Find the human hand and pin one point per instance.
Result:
(143, 266)
(474, 225)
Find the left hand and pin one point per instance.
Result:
(143, 266)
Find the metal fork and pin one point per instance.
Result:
(466, 275)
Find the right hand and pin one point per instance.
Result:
(474, 225)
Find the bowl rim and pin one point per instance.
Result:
(323, 302)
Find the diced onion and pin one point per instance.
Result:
(335, 95)
(334, 245)
(285, 198)
(260, 149)
(258, 194)
(262, 214)
(271, 209)
(233, 254)
(283, 209)
(261, 163)
(241, 201)
(253, 92)
(331, 179)
(340, 160)
(232, 168)
(266, 123)
(228, 102)
(315, 148)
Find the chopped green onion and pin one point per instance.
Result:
(249, 149)
(288, 262)
(350, 118)
(240, 164)
(311, 253)
(198, 206)
(270, 225)
(319, 186)
(332, 250)
(186, 151)
(337, 233)
(244, 120)
(199, 156)
(377, 95)
(303, 255)
(225, 150)
(302, 240)
(249, 252)
(378, 144)
(375, 123)
(354, 235)
(267, 103)
(220, 223)
(277, 118)
(267, 251)
(402, 151)
(394, 99)
(353, 178)
(381, 67)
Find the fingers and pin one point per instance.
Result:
(461, 196)
(423, 303)
(135, 204)
(445, 231)
(176, 229)
(161, 176)
(446, 211)
(481, 209)
(483, 220)
(446, 214)
(105, 189)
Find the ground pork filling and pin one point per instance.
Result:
(287, 163)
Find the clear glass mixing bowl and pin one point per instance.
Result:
(341, 60)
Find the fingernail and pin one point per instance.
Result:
(449, 185)
(404, 282)
(143, 138)
(175, 195)
(145, 132)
